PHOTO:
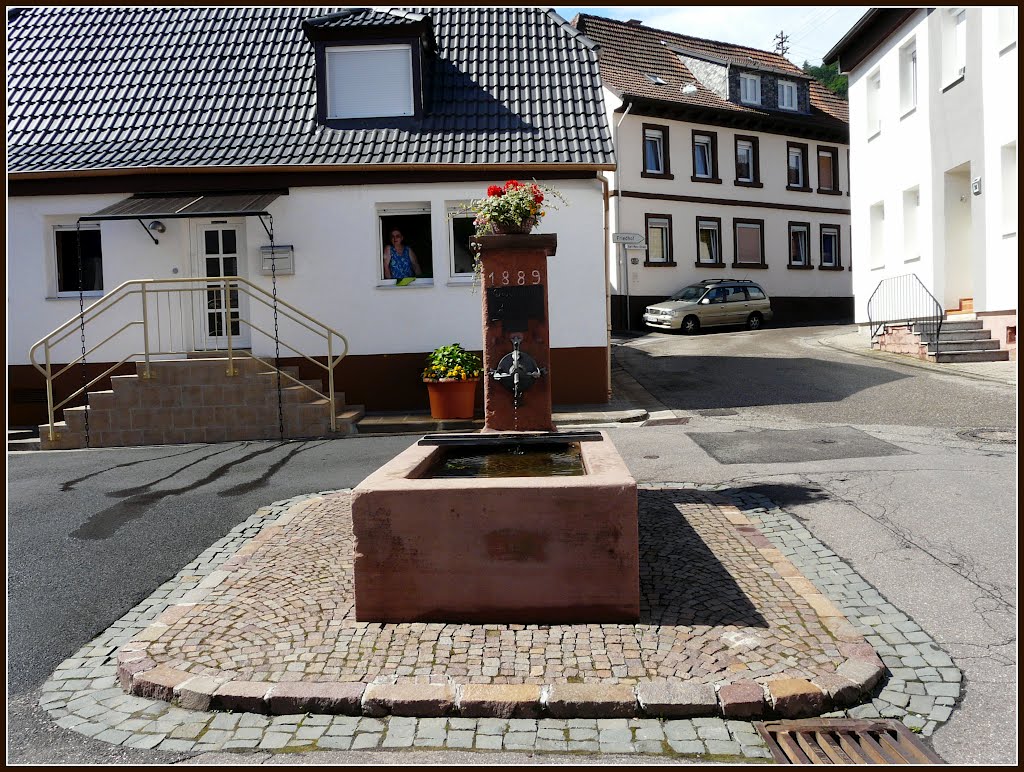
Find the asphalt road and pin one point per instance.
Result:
(867, 453)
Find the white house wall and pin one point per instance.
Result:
(777, 279)
(958, 129)
(335, 234)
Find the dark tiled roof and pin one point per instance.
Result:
(629, 52)
(126, 88)
(363, 17)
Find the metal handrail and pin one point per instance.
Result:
(905, 300)
(150, 290)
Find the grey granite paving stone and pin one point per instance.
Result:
(548, 745)
(176, 745)
(225, 721)
(688, 747)
(309, 732)
(713, 733)
(755, 751)
(248, 733)
(253, 720)
(723, 747)
(492, 726)
(366, 740)
(582, 733)
(520, 739)
(583, 745)
(144, 741)
(614, 747)
(273, 740)
(615, 735)
(488, 742)
(334, 743)
(113, 736)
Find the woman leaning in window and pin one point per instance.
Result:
(399, 259)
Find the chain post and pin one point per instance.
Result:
(81, 320)
(277, 338)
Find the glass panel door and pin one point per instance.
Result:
(219, 252)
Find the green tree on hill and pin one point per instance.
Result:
(828, 75)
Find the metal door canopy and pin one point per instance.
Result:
(788, 446)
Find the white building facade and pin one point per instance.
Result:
(731, 163)
(933, 138)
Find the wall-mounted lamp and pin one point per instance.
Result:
(157, 227)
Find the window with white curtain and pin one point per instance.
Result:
(787, 95)
(750, 89)
(369, 81)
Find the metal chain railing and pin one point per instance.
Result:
(277, 337)
(81, 317)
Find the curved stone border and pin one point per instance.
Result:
(83, 694)
(778, 697)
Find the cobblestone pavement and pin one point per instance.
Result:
(83, 694)
(710, 610)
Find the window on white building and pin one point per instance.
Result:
(748, 238)
(1007, 27)
(460, 253)
(708, 240)
(787, 95)
(703, 156)
(908, 77)
(960, 41)
(796, 175)
(412, 223)
(1008, 159)
(911, 212)
(830, 257)
(877, 217)
(659, 239)
(369, 81)
(828, 170)
(78, 253)
(874, 104)
(746, 160)
(655, 155)
(799, 239)
(750, 89)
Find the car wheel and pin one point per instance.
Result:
(754, 321)
(690, 325)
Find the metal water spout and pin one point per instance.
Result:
(517, 371)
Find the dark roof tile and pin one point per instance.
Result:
(94, 88)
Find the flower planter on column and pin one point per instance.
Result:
(452, 399)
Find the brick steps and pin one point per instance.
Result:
(959, 340)
(196, 400)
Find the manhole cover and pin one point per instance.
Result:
(843, 741)
(1001, 436)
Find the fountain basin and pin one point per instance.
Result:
(529, 550)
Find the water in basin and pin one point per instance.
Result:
(556, 459)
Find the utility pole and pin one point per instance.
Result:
(782, 43)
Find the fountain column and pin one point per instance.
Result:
(517, 349)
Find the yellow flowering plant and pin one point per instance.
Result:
(452, 363)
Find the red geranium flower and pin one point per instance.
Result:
(513, 185)
(495, 190)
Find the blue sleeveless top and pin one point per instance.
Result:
(400, 264)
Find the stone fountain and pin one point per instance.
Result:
(518, 523)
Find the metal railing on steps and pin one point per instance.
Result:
(177, 317)
(905, 300)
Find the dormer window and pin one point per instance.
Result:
(787, 95)
(372, 81)
(750, 89)
(373, 67)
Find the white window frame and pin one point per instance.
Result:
(959, 41)
(665, 225)
(874, 104)
(908, 77)
(658, 137)
(745, 144)
(750, 89)
(703, 141)
(404, 103)
(390, 210)
(833, 159)
(830, 231)
(716, 241)
(65, 228)
(455, 212)
(798, 153)
(788, 87)
(805, 230)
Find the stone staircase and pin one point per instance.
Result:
(195, 400)
(959, 340)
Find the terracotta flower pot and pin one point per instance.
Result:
(452, 399)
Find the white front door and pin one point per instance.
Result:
(220, 248)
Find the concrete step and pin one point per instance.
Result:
(963, 345)
(957, 335)
(956, 325)
(971, 356)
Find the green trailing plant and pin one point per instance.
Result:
(452, 363)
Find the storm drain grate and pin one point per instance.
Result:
(843, 741)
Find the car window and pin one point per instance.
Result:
(718, 295)
(689, 293)
(735, 294)
(755, 293)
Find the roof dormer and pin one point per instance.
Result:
(372, 67)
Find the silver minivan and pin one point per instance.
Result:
(712, 303)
